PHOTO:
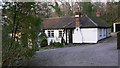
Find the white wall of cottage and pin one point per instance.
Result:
(56, 37)
(103, 33)
(86, 35)
(77, 35)
(81, 35)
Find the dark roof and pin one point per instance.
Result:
(117, 20)
(69, 22)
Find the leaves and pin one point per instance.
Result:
(87, 7)
(24, 23)
(57, 9)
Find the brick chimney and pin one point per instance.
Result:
(98, 13)
(77, 17)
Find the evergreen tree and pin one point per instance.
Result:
(20, 32)
(87, 8)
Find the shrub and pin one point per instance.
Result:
(44, 42)
(62, 42)
(52, 43)
(58, 44)
(43, 35)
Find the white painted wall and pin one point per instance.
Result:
(108, 32)
(103, 33)
(56, 37)
(85, 35)
(77, 36)
(100, 33)
(82, 35)
(89, 35)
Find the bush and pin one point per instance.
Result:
(52, 43)
(56, 44)
(43, 35)
(44, 42)
(62, 41)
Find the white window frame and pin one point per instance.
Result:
(61, 33)
(51, 33)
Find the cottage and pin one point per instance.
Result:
(76, 29)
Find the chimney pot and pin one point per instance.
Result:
(98, 13)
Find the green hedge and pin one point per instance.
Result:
(43, 40)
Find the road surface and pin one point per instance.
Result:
(104, 53)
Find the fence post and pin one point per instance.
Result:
(118, 40)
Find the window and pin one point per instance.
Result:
(61, 33)
(51, 33)
(77, 29)
(48, 33)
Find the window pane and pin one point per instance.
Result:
(52, 33)
(60, 33)
(48, 33)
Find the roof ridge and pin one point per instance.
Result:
(91, 20)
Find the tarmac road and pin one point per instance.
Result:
(104, 53)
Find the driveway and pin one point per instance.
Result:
(104, 53)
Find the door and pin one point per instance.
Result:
(70, 36)
(117, 27)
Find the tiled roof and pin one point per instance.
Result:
(69, 22)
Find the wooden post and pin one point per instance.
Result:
(118, 40)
